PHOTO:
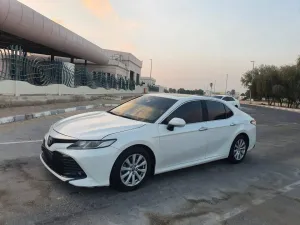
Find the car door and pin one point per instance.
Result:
(222, 128)
(184, 144)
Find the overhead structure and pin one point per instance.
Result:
(22, 25)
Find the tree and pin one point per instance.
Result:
(290, 81)
(260, 81)
(232, 92)
(190, 92)
(275, 84)
(278, 92)
(172, 90)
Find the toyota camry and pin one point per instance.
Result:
(148, 135)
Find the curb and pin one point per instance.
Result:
(275, 107)
(18, 118)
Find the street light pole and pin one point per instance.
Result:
(151, 68)
(251, 80)
(226, 84)
(215, 87)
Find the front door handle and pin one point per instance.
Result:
(203, 128)
(232, 124)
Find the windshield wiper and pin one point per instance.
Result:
(127, 117)
(112, 113)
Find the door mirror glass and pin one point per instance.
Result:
(175, 122)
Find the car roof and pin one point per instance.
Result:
(180, 96)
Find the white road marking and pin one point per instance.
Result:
(285, 124)
(238, 210)
(262, 125)
(20, 142)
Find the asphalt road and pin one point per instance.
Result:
(264, 189)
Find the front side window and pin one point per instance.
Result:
(216, 110)
(190, 112)
(146, 108)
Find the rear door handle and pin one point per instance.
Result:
(203, 128)
(232, 124)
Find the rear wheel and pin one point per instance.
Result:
(131, 169)
(238, 149)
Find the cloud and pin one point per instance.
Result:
(115, 31)
(101, 8)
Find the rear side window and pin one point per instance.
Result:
(228, 99)
(217, 96)
(190, 112)
(229, 113)
(216, 110)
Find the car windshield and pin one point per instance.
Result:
(217, 96)
(146, 108)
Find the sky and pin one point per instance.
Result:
(192, 42)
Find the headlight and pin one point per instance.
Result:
(92, 144)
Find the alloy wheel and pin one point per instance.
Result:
(133, 170)
(239, 149)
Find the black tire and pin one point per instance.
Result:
(115, 176)
(234, 157)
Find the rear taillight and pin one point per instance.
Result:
(253, 122)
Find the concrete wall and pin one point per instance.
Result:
(9, 87)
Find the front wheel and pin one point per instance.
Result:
(131, 169)
(238, 149)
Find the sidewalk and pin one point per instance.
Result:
(263, 104)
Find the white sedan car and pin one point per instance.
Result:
(229, 99)
(148, 135)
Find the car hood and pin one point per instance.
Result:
(94, 125)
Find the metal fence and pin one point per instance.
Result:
(16, 65)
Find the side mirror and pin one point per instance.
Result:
(175, 122)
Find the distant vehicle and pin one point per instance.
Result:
(148, 135)
(229, 99)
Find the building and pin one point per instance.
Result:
(42, 38)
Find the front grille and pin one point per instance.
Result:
(62, 164)
(52, 140)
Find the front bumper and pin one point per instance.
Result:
(84, 168)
